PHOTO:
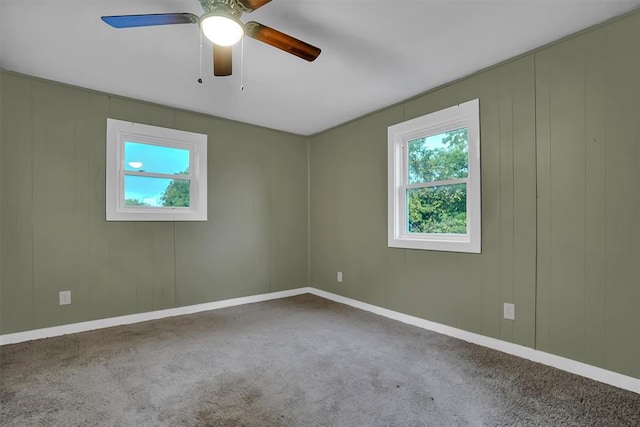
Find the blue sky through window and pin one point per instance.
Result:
(155, 159)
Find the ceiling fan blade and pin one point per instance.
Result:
(127, 21)
(222, 60)
(282, 41)
(252, 5)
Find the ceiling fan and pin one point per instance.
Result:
(222, 25)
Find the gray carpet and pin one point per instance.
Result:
(301, 361)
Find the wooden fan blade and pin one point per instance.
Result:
(128, 21)
(282, 41)
(222, 56)
(253, 4)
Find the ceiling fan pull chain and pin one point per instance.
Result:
(242, 64)
(200, 78)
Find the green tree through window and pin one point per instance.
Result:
(177, 192)
(443, 208)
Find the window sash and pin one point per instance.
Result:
(441, 130)
(404, 214)
(402, 191)
(153, 144)
(436, 183)
(122, 206)
(122, 201)
(156, 175)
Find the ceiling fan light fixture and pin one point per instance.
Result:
(221, 28)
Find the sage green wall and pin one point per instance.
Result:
(562, 121)
(349, 214)
(588, 127)
(54, 233)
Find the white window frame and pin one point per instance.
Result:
(119, 132)
(466, 115)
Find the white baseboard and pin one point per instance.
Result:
(608, 377)
(142, 317)
(569, 365)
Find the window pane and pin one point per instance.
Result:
(439, 157)
(441, 209)
(155, 158)
(158, 192)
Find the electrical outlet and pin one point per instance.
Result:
(65, 297)
(509, 311)
(339, 276)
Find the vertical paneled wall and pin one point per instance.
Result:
(588, 105)
(16, 264)
(349, 214)
(54, 233)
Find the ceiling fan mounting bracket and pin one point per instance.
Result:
(230, 7)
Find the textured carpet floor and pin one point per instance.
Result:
(301, 361)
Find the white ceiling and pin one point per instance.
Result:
(374, 52)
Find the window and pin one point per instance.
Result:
(155, 174)
(434, 181)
